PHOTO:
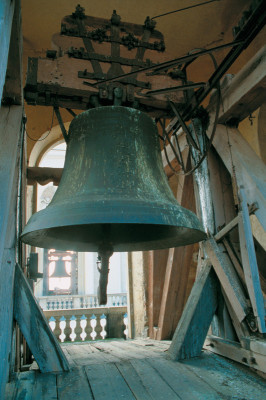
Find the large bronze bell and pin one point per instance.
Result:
(113, 194)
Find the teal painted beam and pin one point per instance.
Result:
(249, 261)
(197, 316)
(6, 18)
(35, 328)
(10, 124)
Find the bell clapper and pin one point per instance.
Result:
(104, 255)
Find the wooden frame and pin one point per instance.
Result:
(241, 288)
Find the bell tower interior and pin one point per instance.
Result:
(133, 199)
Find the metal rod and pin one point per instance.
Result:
(185, 129)
(175, 88)
(171, 144)
(246, 35)
(185, 8)
(71, 112)
(173, 62)
(62, 126)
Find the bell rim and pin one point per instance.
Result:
(118, 212)
(192, 236)
(173, 217)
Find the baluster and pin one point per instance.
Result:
(93, 323)
(48, 305)
(117, 301)
(103, 322)
(71, 303)
(62, 326)
(52, 323)
(73, 324)
(96, 302)
(52, 305)
(57, 305)
(125, 320)
(83, 324)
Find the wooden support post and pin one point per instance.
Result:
(42, 342)
(249, 262)
(193, 326)
(10, 125)
(6, 17)
(177, 271)
(157, 267)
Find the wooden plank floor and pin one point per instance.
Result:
(138, 369)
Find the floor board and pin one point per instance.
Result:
(137, 369)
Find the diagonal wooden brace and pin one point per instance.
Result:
(34, 327)
(228, 278)
(197, 316)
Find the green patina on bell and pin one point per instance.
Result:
(114, 194)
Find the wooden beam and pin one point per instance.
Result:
(43, 175)
(246, 91)
(13, 93)
(232, 224)
(241, 328)
(34, 327)
(234, 351)
(250, 266)
(199, 311)
(6, 18)
(242, 94)
(10, 126)
(179, 261)
(243, 163)
(262, 131)
(235, 261)
(157, 267)
(227, 277)
(258, 232)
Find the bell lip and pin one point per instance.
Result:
(35, 238)
(114, 213)
(40, 225)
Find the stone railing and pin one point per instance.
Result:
(69, 302)
(88, 324)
